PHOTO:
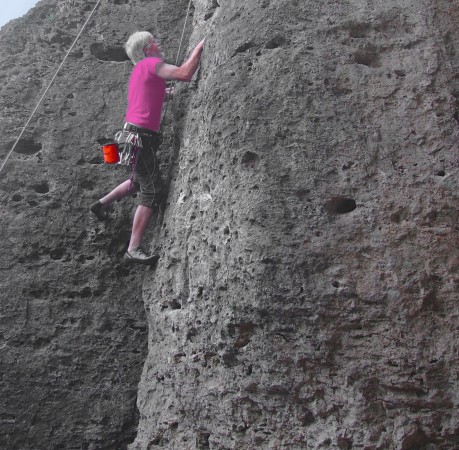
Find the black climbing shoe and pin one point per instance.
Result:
(138, 256)
(99, 211)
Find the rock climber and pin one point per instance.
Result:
(146, 92)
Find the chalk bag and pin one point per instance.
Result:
(111, 153)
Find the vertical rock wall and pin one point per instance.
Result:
(73, 333)
(306, 295)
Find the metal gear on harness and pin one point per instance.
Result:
(129, 146)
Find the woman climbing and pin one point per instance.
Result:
(147, 88)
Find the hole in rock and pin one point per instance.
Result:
(440, 173)
(415, 439)
(249, 159)
(340, 205)
(41, 188)
(120, 2)
(367, 58)
(244, 47)
(174, 304)
(344, 443)
(27, 147)
(60, 38)
(202, 440)
(108, 53)
(16, 197)
(57, 253)
(276, 41)
(208, 15)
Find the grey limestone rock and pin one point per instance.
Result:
(306, 293)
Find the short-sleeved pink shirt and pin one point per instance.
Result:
(146, 95)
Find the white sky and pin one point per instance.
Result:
(12, 9)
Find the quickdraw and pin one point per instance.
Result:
(129, 146)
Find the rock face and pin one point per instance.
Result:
(73, 330)
(306, 295)
(307, 292)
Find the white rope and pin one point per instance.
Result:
(183, 32)
(177, 59)
(49, 85)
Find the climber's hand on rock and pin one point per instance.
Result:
(200, 47)
(185, 71)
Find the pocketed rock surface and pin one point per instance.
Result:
(73, 329)
(306, 295)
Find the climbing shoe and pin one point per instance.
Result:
(138, 256)
(98, 210)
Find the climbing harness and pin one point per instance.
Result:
(49, 85)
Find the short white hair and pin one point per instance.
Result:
(136, 45)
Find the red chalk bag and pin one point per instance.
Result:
(111, 153)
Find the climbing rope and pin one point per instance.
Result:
(183, 32)
(49, 85)
(178, 56)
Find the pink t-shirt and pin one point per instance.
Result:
(146, 95)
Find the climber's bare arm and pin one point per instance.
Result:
(186, 71)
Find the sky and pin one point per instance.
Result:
(12, 9)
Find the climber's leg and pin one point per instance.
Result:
(141, 219)
(135, 253)
(122, 190)
(148, 178)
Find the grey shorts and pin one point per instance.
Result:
(147, 176)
